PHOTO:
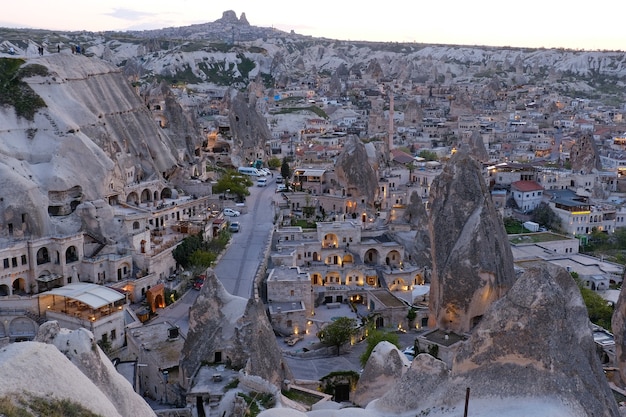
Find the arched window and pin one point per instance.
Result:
(43, 257)
(71, 255)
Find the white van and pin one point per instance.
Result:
(261, 182)
(249, 171)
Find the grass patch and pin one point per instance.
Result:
(256, 401)
(301, 397)
(16, 93)
(33, 406)
(314, 109)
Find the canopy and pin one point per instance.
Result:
(93, 295)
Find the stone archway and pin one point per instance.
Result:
(5, 290)
(22, 329)
(132, 198)
(393, 259)
(371, 257)
(19, 285)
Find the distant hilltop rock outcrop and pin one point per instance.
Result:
(471, 255)
(533, 350)
(236, 328)
(230, 17)
(64, 365)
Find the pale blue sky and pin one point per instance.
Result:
(529, 23)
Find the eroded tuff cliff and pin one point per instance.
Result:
(248, 128)
(354, 172)
(79, 347)
(420, 247)
(383, 369)
(95, 133)
(533, 351)
(472, 259)
(584, 156)
(618, 326)
(237, 328)
(67, 366)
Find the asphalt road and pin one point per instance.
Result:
(238, 265)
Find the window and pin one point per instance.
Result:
(6, 263)
(24, 261)
(113, 334)
(14, 262)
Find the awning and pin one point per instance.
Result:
(93, 295)
(48, 277)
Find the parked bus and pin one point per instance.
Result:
(249, 171)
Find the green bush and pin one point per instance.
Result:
(16, 93)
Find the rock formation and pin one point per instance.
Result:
(384, 368)
(354, 171)
(68, 365)
(419, 249)
(476, 147)
(236, 328)
(533, 351)
(472, 259)
(618, 326)
(249, 130)
(80, 348)
(92, 133)
(584, 155)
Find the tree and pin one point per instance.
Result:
(233, 183)
(285, 172)
(428, 155)
(544, 215)
(338, 332)
(600, 311)
(202, 259)
(182, 252)
(374, 337)
(411, 167)
(273, 163)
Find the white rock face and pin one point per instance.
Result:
(383, 369)
(93, 131)
(80, 348)
(40, 369)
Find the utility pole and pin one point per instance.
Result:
(467, 392)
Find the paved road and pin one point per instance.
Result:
(238, 265)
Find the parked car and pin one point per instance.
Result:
(198, 283)
(280, 187)
(234, 227)
(267, 171)
(409, 352)
(279, 179)
(231, 212)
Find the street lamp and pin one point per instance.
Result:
(224, 197)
